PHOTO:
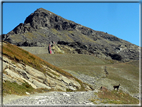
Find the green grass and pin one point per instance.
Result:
(14, 88)
(67, 60)
(116, 97)
(19, 55)
(85, 64)
(127, 74)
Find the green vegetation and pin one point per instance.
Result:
(14, 88)
(127, 74)
(84, 64)
(115, 97)
(67, 60)
(21, 56)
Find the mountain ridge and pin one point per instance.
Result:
(42, 27)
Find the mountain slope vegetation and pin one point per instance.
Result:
(91, 70)
(25, 71)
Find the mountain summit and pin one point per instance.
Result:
(44, 27)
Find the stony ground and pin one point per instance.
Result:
(55, 98)
(95, 82)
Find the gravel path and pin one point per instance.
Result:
(56, 98)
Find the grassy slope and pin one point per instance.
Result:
(127, 74)
(21, 56)
(115, 97)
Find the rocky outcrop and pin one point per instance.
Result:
(18, 73)
(120, 53)
(42, 27)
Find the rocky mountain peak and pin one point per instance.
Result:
(42, 18)
(42, 27)
(42, 10)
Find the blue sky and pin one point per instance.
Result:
(118, 19)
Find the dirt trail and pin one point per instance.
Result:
(54, 98)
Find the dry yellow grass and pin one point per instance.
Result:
(21, 56)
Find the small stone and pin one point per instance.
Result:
(27, 93)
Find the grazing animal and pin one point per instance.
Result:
(117, 86)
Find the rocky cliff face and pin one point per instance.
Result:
(42, 27)
(48, 77)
